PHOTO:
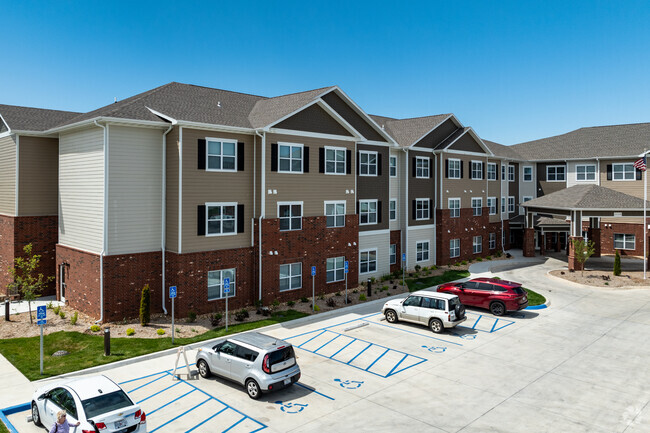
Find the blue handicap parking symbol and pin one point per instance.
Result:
(345, 267)
(40, 312)
(464, 336)
(172, 291)
(349, 384)
(403, 257)
(313, 271)
(435, 349)
(291, 407)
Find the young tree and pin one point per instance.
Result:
(145, 306)
(26, 281)
(582, 251)
(617, 264)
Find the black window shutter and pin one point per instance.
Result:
(609, 171)
(483, 176)
(496, 169)
(415, 209)
(415, 166)
(240, 156)
(321, 160)
(461, 169)
(430, 170)
(447, 168)
(305, 160)
(358, 166)
(200, 217)
(357, 207)
(348, 161)
(639, 174)
(430, 209)
(240, 218)
(379, 212)
(471, 170)
(201, 154)
(274, 156)
(379, 164)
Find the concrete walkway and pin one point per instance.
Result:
(17, 307)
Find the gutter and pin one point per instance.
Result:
(163, 217)
(101, 255)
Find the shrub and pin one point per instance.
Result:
(95, 328)
(362, 297)
(56, 310)
(291, 303)
(62, 314)
(617, 264)
(355, 291)
(384, 288)
(145, 306)
(74, 318)
(331, 302)
(275, 303)
(191, 317)
(49, 305)
(464, 262)
(338, 293)
(130, 332)
(488, 258)
(417, 268)
(479, 259)
(160, 332)
(498, 254)
(304, 300)
(240, 315)
(433, 267)
(316, 308)
(215, 319)
(321, 297)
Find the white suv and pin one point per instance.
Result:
(436, 310)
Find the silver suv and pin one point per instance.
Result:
(257, 361)
(436, 310)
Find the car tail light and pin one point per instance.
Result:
(143, 418)
(137, 413)
(100, 426)
(270, 387)
(265, 364)
(87, 431)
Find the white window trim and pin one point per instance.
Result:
(526, 198)
(302, 157)
(221, 271)
(595, 170)
(290, 203)
(523, 173)
(376, 212)
(513, 204)
(487, 172)
(392, 158)
(345, 160)
(334, 202)
(492, 243)
(418, 243)
(389, 254)
(290, 277)
(504, 204)
(222, 140)
(474, 244)
(392, 200)
(450, 241)
(369, 152)
(449, 200)
(222, 204)
(472, 170)
(369, 250)
(556, 167)
(428, 167)
(512, 178)
(450, 160)
(335, 269)
(428, 207)
(625, 236)
(496, 206)
(479, 208)
(624, 164)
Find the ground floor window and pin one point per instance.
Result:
(422, 251)
(623, 241)
(454, 248)
(477, 244)
(335, 269)
(393, 254)
(215, 283)
(367, 261)
(290, 276)
(492, 241)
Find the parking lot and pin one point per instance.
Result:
(579, 366)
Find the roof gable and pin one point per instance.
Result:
(268, 111)
(363, 126)
(439, 133)
(18, 118)
(314, 119)
(467, 143)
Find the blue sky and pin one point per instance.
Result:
(513, 70)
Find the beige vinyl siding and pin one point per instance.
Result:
(416, 234)
(494, 190)
(38, 176)
(8, 176)
(464, 188)
(201, 186)
(631, 187)
(311, 188)
(380, 242)
(81, 189)
(527, 189)
(171, 195)
(572, 173)
(622, 220)
(134, 190)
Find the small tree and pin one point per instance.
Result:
(582, 251)
(26, 281)
(145, 306)
(617, 264)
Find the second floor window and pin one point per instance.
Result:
(367, 211)
(511, 204)
(335, 213)
(454, 207)
(422, 209)
(367, 163)
(335, 160)
(623, 171)
(491, 171)
(492, 204)
(555, 173)
(222, 154)
(290, 215)
(454, 168)
(392, 209)
(290, 158)
(477, 206)
(422, 167)
(392, 166)
(585, 172)
(503, 205)
(477, 170)
(528, 173)
(221, 218)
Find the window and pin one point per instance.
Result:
(555, 173)
(221, 218)
(477, 206)
(623, 171)
(290, 276)
(528, 173)
(422, 209)
(289, 158)
(477, 244)
(221, 154)
(393, 254)
(524, 199)
(215, 284)
(511, 204)
(503, 172)
(492, 171)
(367, 261)
(367, 211)
(335, 213)
(454, 248)
(454, 168)
(503, 205)
(392, 166)
(477, 170)
(492, 241)
(492, 204)
(334, 160)
(454, 207)
(585, 172)
(392, 209)
(511, 173)
(367, 163)
(623, 241)
(422, 167)
(422, 251)
(290, 215)
(335, 270)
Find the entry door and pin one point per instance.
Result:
(62, 281)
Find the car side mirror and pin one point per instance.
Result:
(42, 396)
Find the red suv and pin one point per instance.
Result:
(499, 296)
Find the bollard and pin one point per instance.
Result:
(369, 287)
(7, 310)
(107, 341)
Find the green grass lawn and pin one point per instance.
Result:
(88, 350)
(534, 298)
(3, 429)
(423, 283)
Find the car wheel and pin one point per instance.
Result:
(253, 389)
(497, 308)
(391, 316)
(204, 369)
(436, 326)
(36, 417)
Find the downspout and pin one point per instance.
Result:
(503, 235)
(435, 208)
(406, 209)
(254, 190)
(101, 255)
(163, 220)
(17, 174)
(180, 188)
(262, 207)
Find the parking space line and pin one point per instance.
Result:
(485, 323)
(206, 420)
(235, 424)
(355, 356)
(337, 352)
(155, 394)
(184, 413)
(314, 390)
(142, 377)
(148, 383)
(411, 332)
(375, 361)
(397, 365)
(168, 403)
(476, 323)
(316, 336)
(337, 336)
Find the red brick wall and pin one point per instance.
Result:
(82, 279)
(607, 238)
(42, 233)
(6, 251)
(312, 246)
(396, 238)
(463, 228)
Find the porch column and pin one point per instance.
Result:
(529, 242)
(574, 265)
(558, 244)
(594, 234)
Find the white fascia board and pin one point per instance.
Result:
(112, 120)
(376, 143)
(412, 145)
(6, 134)
(464, 152)
(374, 232)
(428, 226)
(310, 134)
(164, 116)
(594, 158)
(8, 127)
(213, 127)
(567, 209)
(421, 149)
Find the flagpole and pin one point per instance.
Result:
(645, 220)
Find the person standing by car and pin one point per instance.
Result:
(61, 425)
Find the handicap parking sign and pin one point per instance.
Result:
(403, 257)
(226, 285)
(313, 271)
(345, 267)
(172, 291)
(40, 315)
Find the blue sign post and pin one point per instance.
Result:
(345, 270)
(41, 311)
(226, 292)
(172, 296)
(313, 291)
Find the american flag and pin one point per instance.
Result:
(640, 164)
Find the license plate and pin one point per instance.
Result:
(120, 423)
(287, 381)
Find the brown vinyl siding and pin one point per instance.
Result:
(467, 143)
(438, 135)
(464, 188)
(171, 182)
(544, 187)
(631, 187)
(7, 176)
(312, 188)
(421, 188)
(38, 181)
(314, 119)
(351, 116)
(375, 187)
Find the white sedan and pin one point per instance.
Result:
(97, 402)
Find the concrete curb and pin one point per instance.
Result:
(608, 288)
(11, 410)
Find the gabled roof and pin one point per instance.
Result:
(407, 132)
(501, 150)
(33, 119)
(586, 197)
(270, 110)
(598, 141)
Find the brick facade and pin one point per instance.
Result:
(82, 279)
(6, 250)
(607, 238)
(464, 228)
(396, 238)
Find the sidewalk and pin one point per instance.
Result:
(17, 307)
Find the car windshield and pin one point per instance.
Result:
(281, 355)
(106, 403)
(453, 302)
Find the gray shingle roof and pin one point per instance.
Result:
(502, 151)
(269, 110)
(598, 141)
(586, 197)
(406, 132)
(33, 119)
